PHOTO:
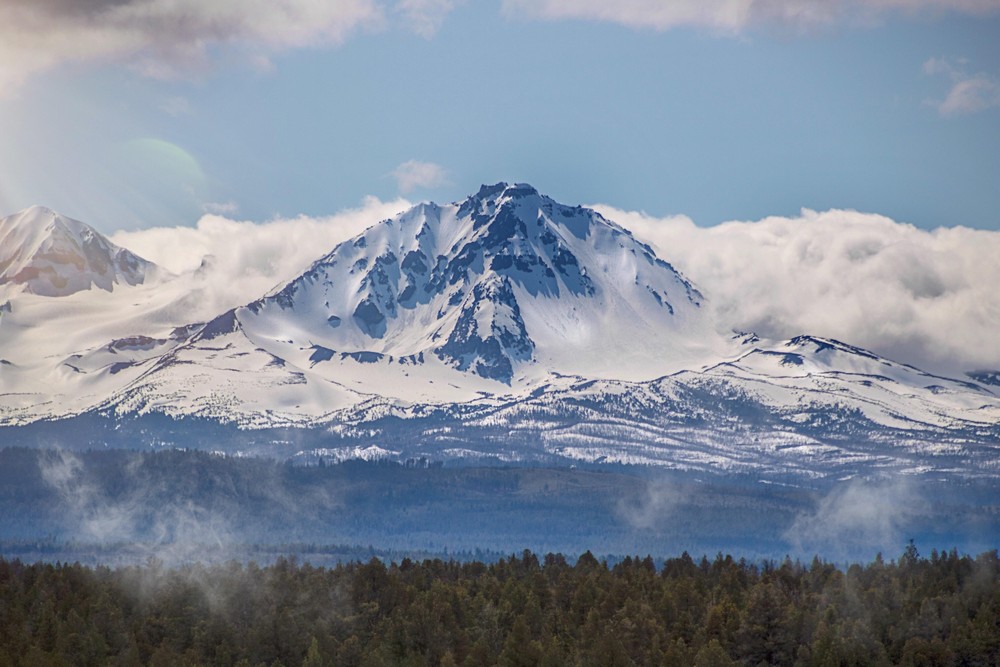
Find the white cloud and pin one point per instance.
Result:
(736, 15)
(425, 16)
(857, 515)
(653, 507)
(221, 208)
(924, 297)
(164, 37)
(240, 260)
(969, 93)
(934, 66)
(414, 174)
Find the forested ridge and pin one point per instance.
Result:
(940, 610)
(118, 497)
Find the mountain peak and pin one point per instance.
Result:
(501, 282)
(52, 255)
(492, 198)
(37, 210)
(504, 189)
(490, 191)
(35, 222)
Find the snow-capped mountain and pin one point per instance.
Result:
(503, 326)
(52, 255)
(499, 285)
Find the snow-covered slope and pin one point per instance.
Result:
(52, 255)
(505, 326)
(502, 285)
(490, 296)
(806, 406)
(81, 318)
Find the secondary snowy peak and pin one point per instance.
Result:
(52, 255)
(814, 356)
(506, 277)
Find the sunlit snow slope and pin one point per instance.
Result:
(52, 255)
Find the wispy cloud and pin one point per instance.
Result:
(733, 16)
(145, 512)
(414, 174)
(425, 16)
(221, 208)
(969, 92)
(924, 297)
(857, 515)
(164, 38)
(653, 507)
(95, 517)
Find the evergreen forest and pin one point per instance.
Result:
(942, 609)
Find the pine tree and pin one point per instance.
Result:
(313, 657)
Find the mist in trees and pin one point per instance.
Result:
(943, 609)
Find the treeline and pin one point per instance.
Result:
(941, 610)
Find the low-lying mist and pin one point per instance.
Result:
(188, 506)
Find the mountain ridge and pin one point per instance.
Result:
(505, 326)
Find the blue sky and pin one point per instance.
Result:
(864, 106)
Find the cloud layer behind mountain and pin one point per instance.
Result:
(924, 297)
(234, 262)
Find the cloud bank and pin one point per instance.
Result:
(736, 15)
(928, 298)
(164, 37)
(923, 297)
(235, 262)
